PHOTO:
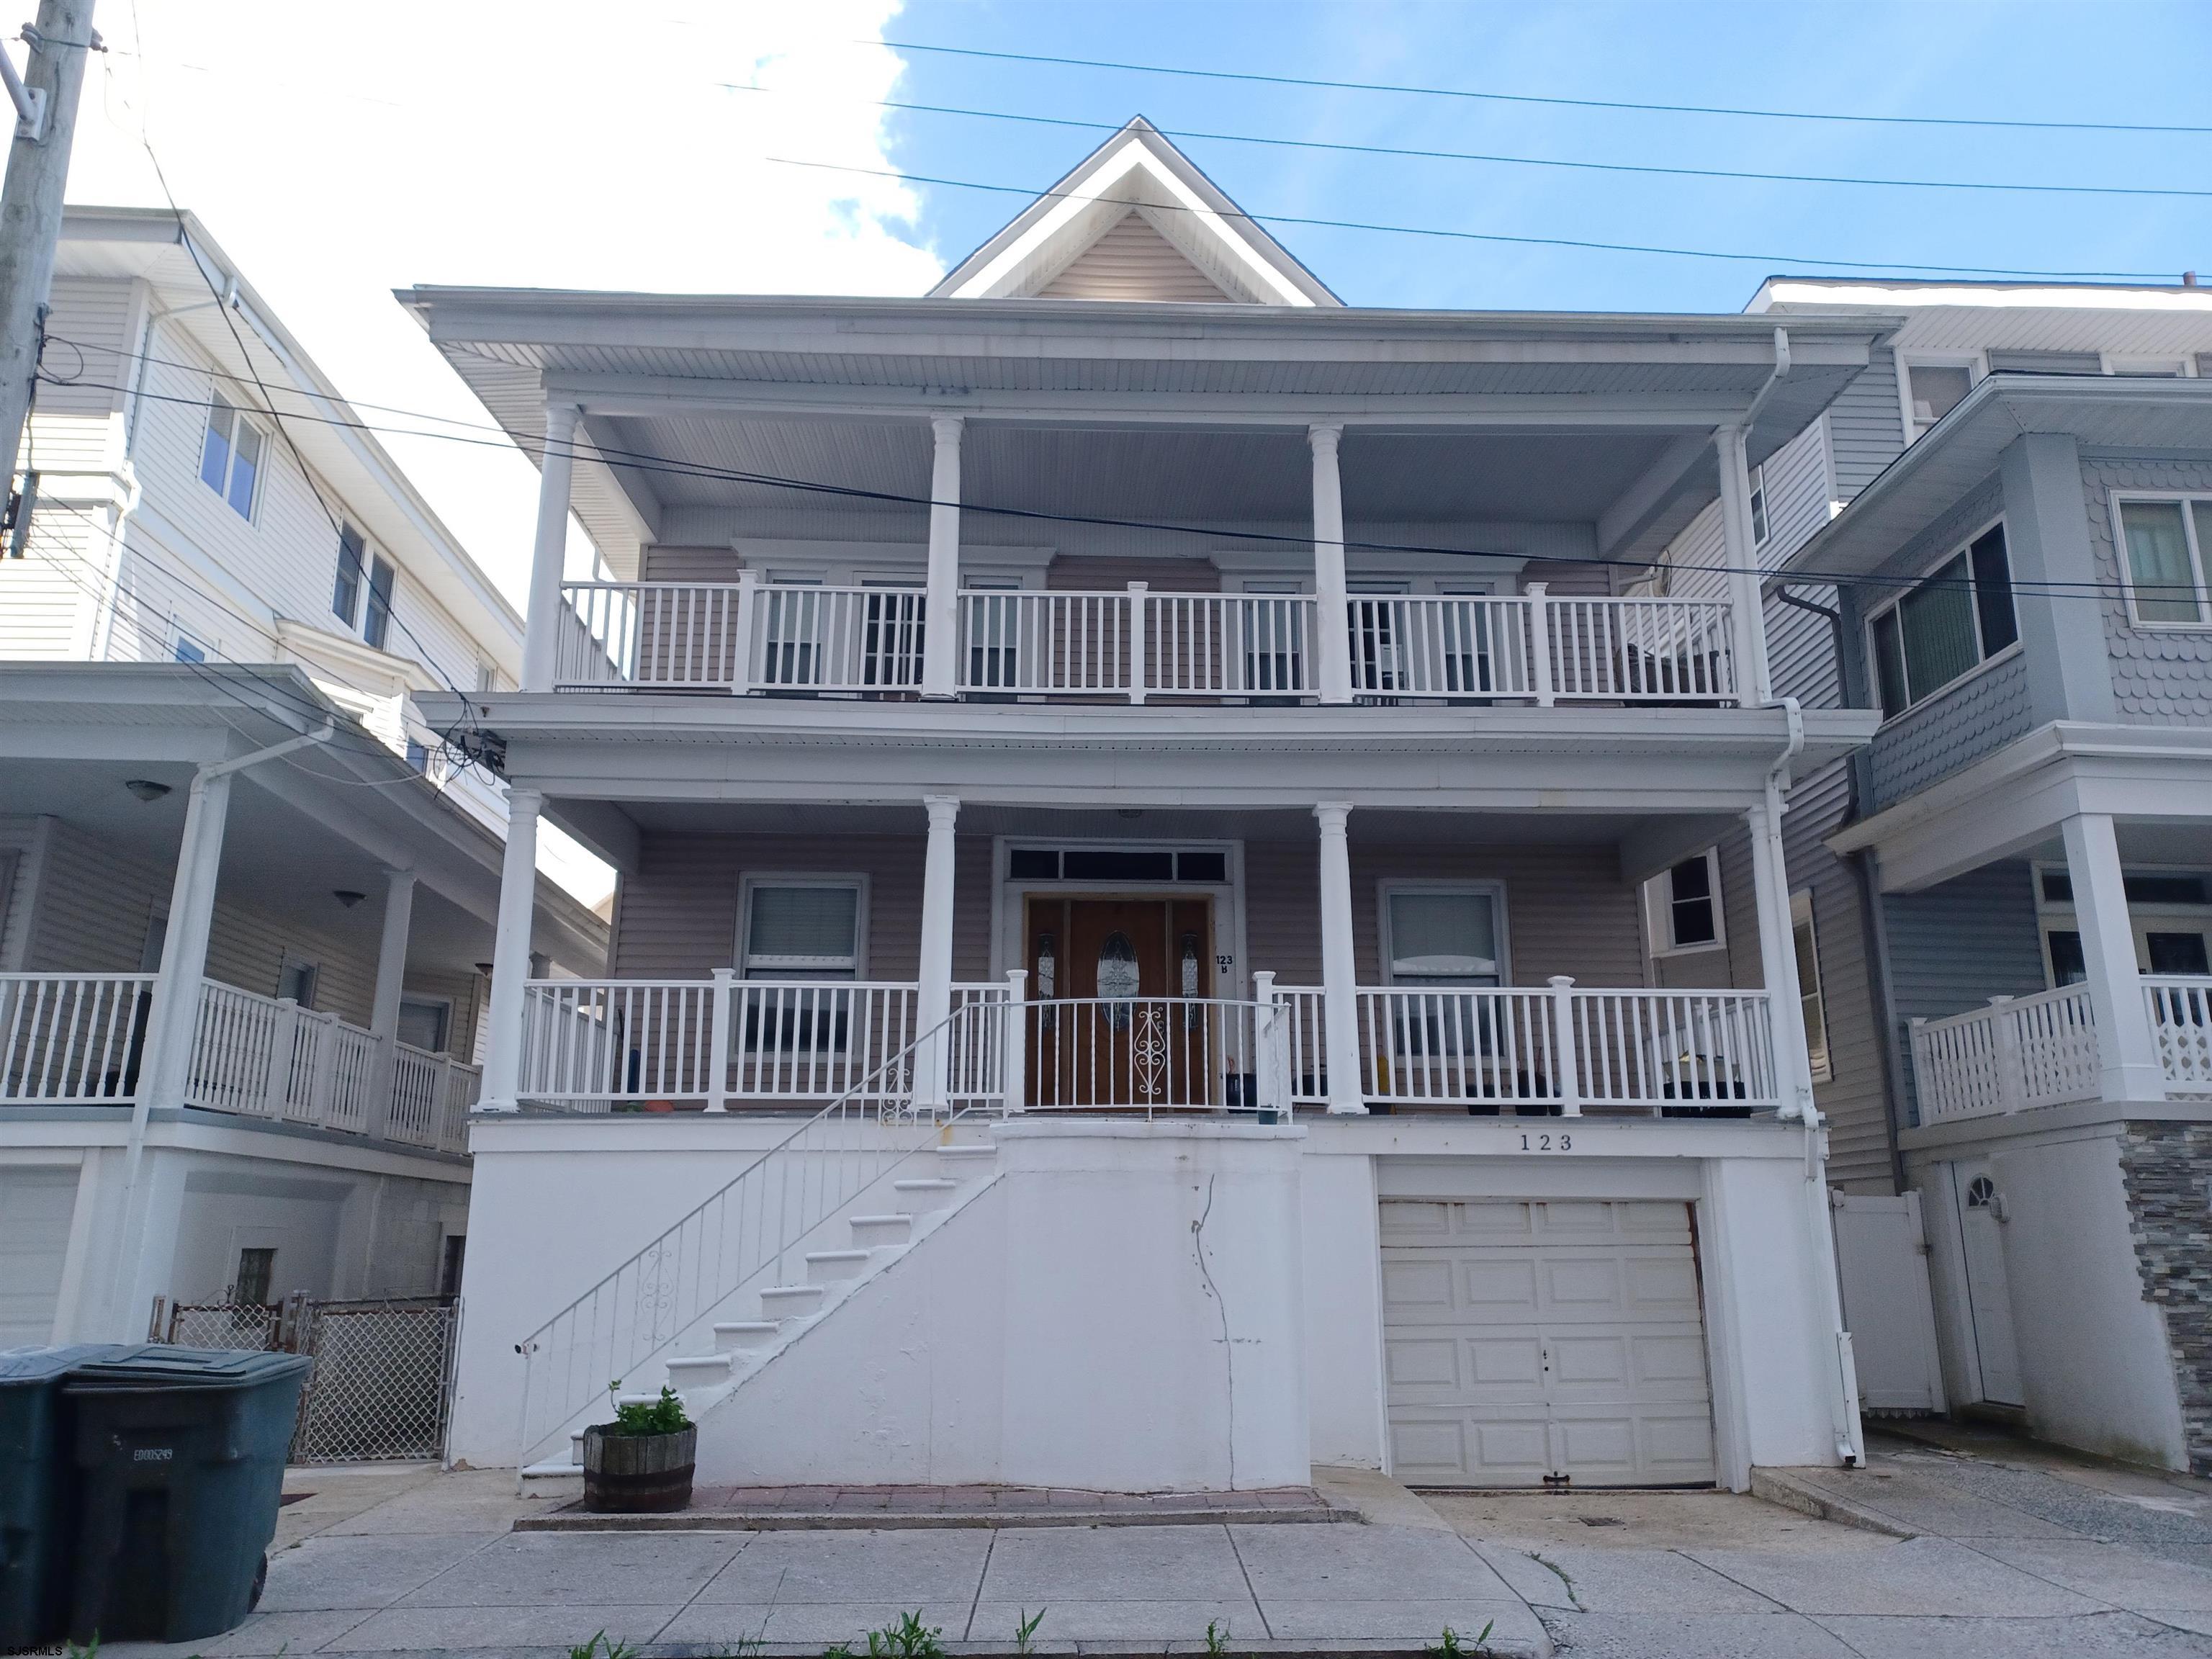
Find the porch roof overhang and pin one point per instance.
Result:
(595, 758)
(2154, 781)
(2141, 416)
(322, 820)
(693, 400)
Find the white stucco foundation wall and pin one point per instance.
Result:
(2096, 1371)
(1342, 1249)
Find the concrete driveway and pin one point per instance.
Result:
(2013, 1554)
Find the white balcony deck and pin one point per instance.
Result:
(2020, 1053)
(76, 1039)
(1134, 646)
(725, 1044)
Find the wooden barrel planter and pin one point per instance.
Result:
(638, 1474)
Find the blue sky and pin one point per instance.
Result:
(2115, 62)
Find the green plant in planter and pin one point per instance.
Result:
(662, 1416)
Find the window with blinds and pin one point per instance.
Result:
(1945, 626)
(802, 930)
(1443, 936)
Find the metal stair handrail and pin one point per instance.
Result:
(723, 1243)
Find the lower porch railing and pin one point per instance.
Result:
(72, 1039)
(2042, 1050)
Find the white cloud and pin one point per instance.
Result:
(339, 153)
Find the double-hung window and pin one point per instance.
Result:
(1759, 507)
(1685, 905)
(230, 455)
(1946, 625)
(804, 928)
(362, 575)
(1441, 938)
(1810, 1001)
(1933, 391)
(2167, 542)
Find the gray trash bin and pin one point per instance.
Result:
(180, 1465)
(34, 1490)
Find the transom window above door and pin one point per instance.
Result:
(1441, 935)
(800, 928)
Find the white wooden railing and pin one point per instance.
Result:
(71, 1038)
(1135, 644)
(1558, 1049)
(2181, 1023)
(2018, 1051)
(600, 1045)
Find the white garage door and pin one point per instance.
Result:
(1525, 1342)
(35, 1202)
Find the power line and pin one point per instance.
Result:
(1348, 148)
(647, 461)
(1770, 260)
(1533, 97)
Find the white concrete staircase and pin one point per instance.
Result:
(719, 1359)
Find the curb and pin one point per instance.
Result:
(884, 1521)
(1786, 1488)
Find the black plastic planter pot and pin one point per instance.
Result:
(638, 1474)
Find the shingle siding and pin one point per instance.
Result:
(2160, 675)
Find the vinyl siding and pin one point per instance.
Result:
(1954, 947)
(1866, 425)
(1096, 576)
(1133, 261)
(2160, 675)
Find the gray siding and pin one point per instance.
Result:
(2160, 675)
(1800, 650)
(1954, 947)
(1865, 426)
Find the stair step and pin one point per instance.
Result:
(834, 1267)
(966, 1157)
(739, 1333)
(698, 1372)
(552, 1469)
(874, 1231)
(923, 1196)
(790, 1301)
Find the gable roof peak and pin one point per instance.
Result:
(1136, 220)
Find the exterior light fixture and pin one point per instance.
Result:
(347, 896)
(145, 788)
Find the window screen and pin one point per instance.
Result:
(1444, 938)
(345, 593)
(802, 930)
(1692, 916)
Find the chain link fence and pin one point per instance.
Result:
(380, 1385)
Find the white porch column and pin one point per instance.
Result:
(390, 977)
(1340, 971)
(1778, 955)
(166, 1070)
(940, 633)
(2128, 1065)
(510, 953)
(1334, 647)
(933, 1001)
(556, 469)
(1747, 620)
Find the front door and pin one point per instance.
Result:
(1989, 1296)
(1115, 968)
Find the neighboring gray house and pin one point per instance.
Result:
(2029, 480)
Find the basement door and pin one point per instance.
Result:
(1531, 1343)
(1989, 1292)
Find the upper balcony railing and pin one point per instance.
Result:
(1134, 645)
(79, 1040)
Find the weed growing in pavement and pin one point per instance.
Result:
(907, 1639)
(1026, 1628)
(600, 1648)
(1450, 1646)
(1217, 1638)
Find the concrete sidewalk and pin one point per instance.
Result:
(2016, 1554)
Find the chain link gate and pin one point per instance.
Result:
(380, 1384)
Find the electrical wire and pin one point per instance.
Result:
(1532, 98)
(646, 461)
(1770, 260)
(1347, 149)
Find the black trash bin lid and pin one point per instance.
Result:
(156, 1367)
(21, 1368)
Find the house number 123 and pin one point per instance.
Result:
(1544, 1143)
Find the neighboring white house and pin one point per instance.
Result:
(239, 1005)
(1133, 783)
(2022, 601)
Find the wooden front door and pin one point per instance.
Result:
(1119, 966)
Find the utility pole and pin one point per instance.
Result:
(44, 100)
